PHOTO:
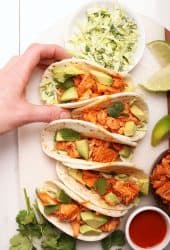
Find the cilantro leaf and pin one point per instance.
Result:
(116, 109)
(27, 224)
(49, 243)
(117, 238)
(31, 230)
(66, 84)
(66, 243)
(101, 185)
(107, 243)
(50, 230)
(69, 134)
(63, 197)
(20, 242)
(25, 217)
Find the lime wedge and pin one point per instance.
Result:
(161, 129)
(160, 81)
(161, 51)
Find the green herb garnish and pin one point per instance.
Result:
(66, 84)
(116, 109)
(117, 238)
(101, 185)
(68, 134)
(63, 197)
(20, 242)
(51, 208)
(32, 226)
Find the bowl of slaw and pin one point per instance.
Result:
(107, 33)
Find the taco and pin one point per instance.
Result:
(68, 212)
(124, 114)
(73, 83)
(82, 144)
(115, 189)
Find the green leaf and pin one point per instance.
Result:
(68, 83)
(116, 109)
(25, 217)
(49, 230)
(101, 185)
(69, 134)
(63, 197)
(49, 243)
(20, 242)
(31, 230)
(107, 243)
(51, 208)
(66, 243)
(117, 238)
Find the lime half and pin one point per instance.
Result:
(161, 50)
(160, 81)
(161, 129)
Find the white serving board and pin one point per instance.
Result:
(35, 167)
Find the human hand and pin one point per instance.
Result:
(15, 110)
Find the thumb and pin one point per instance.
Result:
(45, 113)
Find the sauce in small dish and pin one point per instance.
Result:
(150, 235)
(148, 228)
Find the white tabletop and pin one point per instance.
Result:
(20, 24)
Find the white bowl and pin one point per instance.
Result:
(80, 16)
(166, 239)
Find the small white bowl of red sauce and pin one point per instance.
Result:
(148, 228)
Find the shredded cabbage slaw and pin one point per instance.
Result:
(108, 38)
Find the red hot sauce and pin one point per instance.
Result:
(148, 229)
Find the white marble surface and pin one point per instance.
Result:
(35, 17)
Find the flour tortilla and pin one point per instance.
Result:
(87, 194)
(85, 129)
(129, 97)
(66, 227)
(82, 64)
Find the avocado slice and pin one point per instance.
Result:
(63, 72)
(111, 199)
(83, 148)
(93, 220)
(144, 186)
(130, 128)
(69, 94)
(49, 209)
(136, 111)
(86, 229)
(66, 134)
(76, 174)
(125, 152)
(143, 183)
(102, 77)
(58, 136)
